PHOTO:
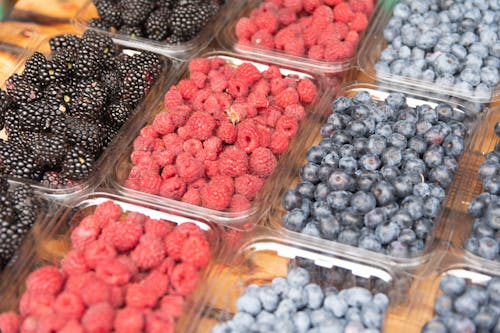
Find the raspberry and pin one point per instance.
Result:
(192, 196)
(295, 5)
(159, 228)
(186, 88)
(245, 28)
(107, 212)
(184, 278)
(117, 298)
(262, 162)
(306, 90)
(137, 156)
(338, 51)
(189, 168)
(173, 244)
(342, 12)
(97, 252)
(233, 162)
(200, 125)
(37, 304)
(248, 185)
(359, 22)
(239, 203)
(277, 85)
(74, 263)
(267, 21)
(168, 171)
(173, 142)
(72, 326)
(310, 36)
(352, 37)
(287, 97)
(271, 72)
(369, 4)
(163, 156)
(248, 137)
(295, 46)
(148, 165)
(69, 305)
(77, 282)
(258, 99)
(199, 65)
(173, 188)
(180, 115)
(191, 229)
(323, 14)
(196, 251)
(123, 235)
(287, 125)
(284, 36)
(149, 253)
(311, 5)
(224, 100)
(94, 291)
(172, 305)
(172, 98)
(157, 282)
(29, 325)
(236, 87)
(143, 143)
(50, 323)
(263, 39)
(296, 111)
(227, 132)
(150, 183)
(357, 6)
(9, 322)
(128, 320)
(129, 263)
(264, 135)
(261, 87)
(211, 168)
(163, 123)
(286, 16)
(113, 272)
(216, 62)
(139, 296)
(148, 131)
(279, 143)
(199, 79)
(156, 324)
(216, 194)
(47, 279)
(98, 318)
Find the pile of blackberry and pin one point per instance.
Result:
(60, 114)
(172, 21)
(18, 211)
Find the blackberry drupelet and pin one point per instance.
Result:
(48, 149)
(134, 12)
(77, 164)
(33, 66)
(65, 41)
(187, 19)
(155, 26)
(20, 89)
(109, 12)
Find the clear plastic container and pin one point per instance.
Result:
(271, 189)
(105, 161)
(229, 41)
(370, 52)
(441, 232)
(50, 246)
(265, 254)
(182, 51)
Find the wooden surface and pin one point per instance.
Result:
(33, 21)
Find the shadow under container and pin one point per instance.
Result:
(182, 51)
(443, 226)
(265, 254)
(273, 185)
(50, 246)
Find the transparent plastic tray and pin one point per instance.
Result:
(374, 43)
(243, 219)
(265, 254)
(441, 231)
(50, 246)
(182, 51)
(105, 161)
(229, 41)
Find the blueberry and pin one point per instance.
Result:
(389, 172)
(459, 51)
(265, 317)
(422, 190)
(363, 202)
(336, 304)
(462, 324)
(431, 207)
(329, 228)
(423, 126)
(418, 144)
(341, 104)
(306, 189)
(493, 289)
(469, 75)
(407, 236)
(435, 325)
(370, 242)
(391, 209)
(311, 229)
(357, 296)
(441, 175)
(392, 156)
(428, 40)
(443, 305)
(321, 192)
(309, 172)
(361, 111)
(351, 218)
(453, 145)
(339, 200)
(315, 296)
(243, 319)
(337, 121)
(319, 316)
(488, 248)
(326, 130)
(383, 129)
(302, 321)
(387, 232)
(357, 128)
(492, 61)
(480, 49)
(493, 216)
(445, 80)
(292, 199)
(397, 140)
(486, 319)
(295, 220)
(299, 296)
(477, 207)
(284, 324)
(315, 154)
(452, 285)
(423, 228)
(383, 193)
(447, 63)
(298, 277)
(331, 160)
(415, 166)
(362, 97)
(286, 308)
(433, 157)
(402, 10)
(398, 250)
(489, 76)
(348, 150)
(354, 327)
(396, 100)
(349, 237)
(280, 286)
(471, 245)
(324, 172)
(341, 137)
(372, 316)
(340, 181)
(402, 186)
(249, 304)
(414, 206)
(369, 162)
(349, 164)
(376, 144)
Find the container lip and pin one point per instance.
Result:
(366, 62)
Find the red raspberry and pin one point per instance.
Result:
(172, 98)
(138, 155)
(233, 162)
(159, 228)
(369, 4)
(200, 125)
(311, 5)
(150, 183)
(50, 323)
(94, 291)
(271, 72)
(113, 272)
(262, 162)
(338, 51)
(163, 123)
(156, 281)
(191, 229)
(295, 5)
(284, 36)
(296, 111)
(239, 203)
(180, 115)
(168, 171)
(286, 16)
(295, 46)
(69, 306)
(72, 326)
(316, 52)
(97, 252)
(149, 253)
(245, 28)
(173, 244)
(196, 251)
(279, 143)
(342, 12)
(287, 125)
(189, 168)
(357, 5)
(339, 30)
(267, 21)
(192, 196)
(310, 36)
(264, 135)
(359, 22)
(186, 88)
(142, 143)
(200, 183)
(10, 322)
(216, 194)
(157, 324)
(352, 37)
(227, 132)
(123, 235)
(98, 318)
(287, 97)
(74, 262)
(306, 90)
(139, 296)
(174, 142)
(218, 82)
(117, 298)
(237, 87)
(216, 62)
(199, 98)
(224, 99)
(199, 65)
(148, 165)
(163, 157)
(37, 304)
(129, 263)
(107, 212)
(172, 305)
(77, 282)
(199, 79)
(211, 167)
(277, 85)
(128, 320)
(173, 188)
(258, 99)
(248, 136)
(184, 278)
(322, 14)
(149, 131)
(248, 185)
(263, 39)
(268, 7)
(47, 279)
(261, 87)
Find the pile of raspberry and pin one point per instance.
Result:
(125, 273)
(325, 30)
(221, 135)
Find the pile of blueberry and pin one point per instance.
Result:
(466, 307)
(377, 178)
(452, 43)
(293, 304)
(484, 239)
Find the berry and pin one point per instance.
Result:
(200, 125)
(139, 296)
(69, 305)
(128, 320)
(216, 194)
(287, 97)
(184, 278)
(98, 318)
(233, 162)
(262, 162)
(195, 251)
(46, 279)
(149, 253)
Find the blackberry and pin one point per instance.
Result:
(155, 26)
(25, 206)
(169, 4)
(9, 237)
(54, 179)
(77, 164)
(173, 39)
(111, 79)
(98, 23)
(87, 98)
(117, 114)
(131, 31)
(134, 12)
(4, 104)
(101, 43)
(66, 58)
(16, 161)
(140, 77)
(33, 66)
(48, 149)
(89, 134)
(111, 132)
(65, 41)
(188, 19)
(20, 89)
(52, 71)
(38, 115)
(88, 62)
(109, 12)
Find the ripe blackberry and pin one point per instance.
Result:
(77, 164)
(4, 104)
(98, 23)
(187, 19)
(173, 39)
(134, 88)
(131, 31)
(33, 66)
(9, 239)
(111, 79)
(52, 71)
(48, 149)
(54, 179)
(25, 206)
(38, 115)
(65, 41)
(155, 26)
(101, 43)
(89, 134)
(88, 62)
(117, 114)
(111, 132)
(88, 98)
(134, 12)
(67, 59)
(16, 161)
(20, 89)
(109, 12)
